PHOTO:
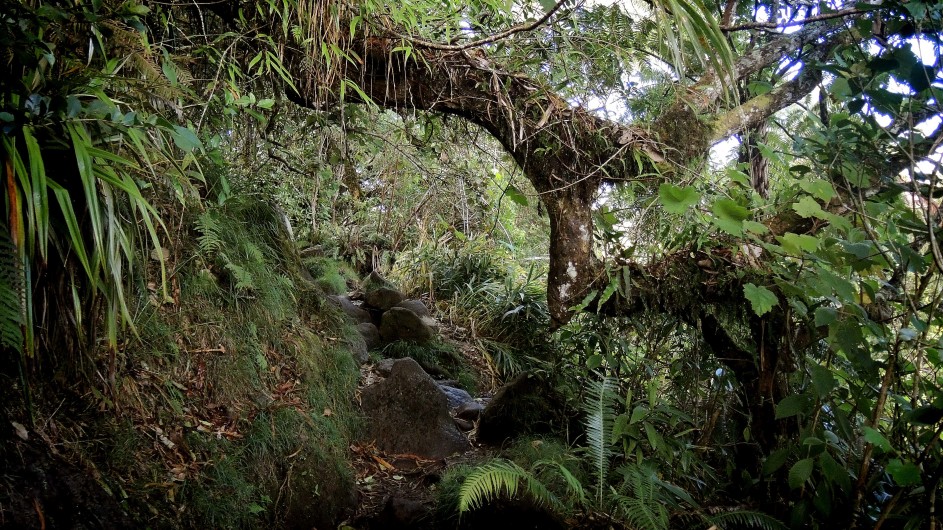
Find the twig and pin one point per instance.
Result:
(807, 20)
(489, 39)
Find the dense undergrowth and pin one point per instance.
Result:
(748, 356)
(232, 407)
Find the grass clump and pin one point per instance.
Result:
(435, 356)
(332, 276)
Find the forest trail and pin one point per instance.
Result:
(399, 490)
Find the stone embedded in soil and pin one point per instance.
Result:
(370, 334)
(384, 367)
(355, 312)
(402, 324)
(402, 512)
(408, 413)
(382, 298)
(457, 396)
(527, 404)
(416, 306)
(470, 410)
(358, 348)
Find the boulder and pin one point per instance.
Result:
(355, 312)
(464, 425)
(470, 410)
(402, 324)
(384, 367)
(358, 348)
(408, 413)
(457, 397)
(401, 512)
(375, 280)
(370, 334)
(382, 298)
(416, 306)
(525, 405)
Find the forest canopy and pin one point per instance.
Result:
(739, 199)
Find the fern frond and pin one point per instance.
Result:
(599, 407)
(643, 504)
(745, 519)
(500, 477)
(243, 278)
(254, 253)
(642, 514)
(11, 297)
(210, 239)
(574, 486)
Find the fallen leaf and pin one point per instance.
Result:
(20, 430)
(328, 412)
(160, 254)
(383, 463)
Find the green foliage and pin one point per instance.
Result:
(254, 382)
(504, 304)
(81, 142)
(642, 500)
(745, 519)
(330, 275)
(435, 353)
(501, 478)
(761, 299)
(599, 407)
(11, 297)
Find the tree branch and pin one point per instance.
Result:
(793, 23)
(520, 28)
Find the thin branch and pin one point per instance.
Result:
(529, 26)
(807, 20)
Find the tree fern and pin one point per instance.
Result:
(501, 477)
(599, 407)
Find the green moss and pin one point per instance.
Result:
(684, 135)
(431, 354)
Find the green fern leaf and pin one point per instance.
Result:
(501, 478)
(644, 503)
(11, 297)
(210, 239)
(745, 519)
(599, 407)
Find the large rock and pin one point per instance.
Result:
(402, 512)
(384, 367)
(355, 312)
(525, 405)
(470, 410)
(456, 396)
(382, 298)
(408, 413)
(358, 348)
(402, 324)
(370, 334)
(416, 306)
